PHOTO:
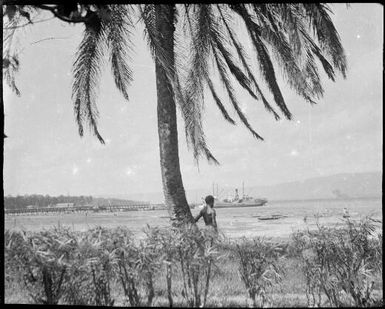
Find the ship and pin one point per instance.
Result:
(237, 201)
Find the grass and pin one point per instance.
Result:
(14, 292)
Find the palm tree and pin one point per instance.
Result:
(190, 43)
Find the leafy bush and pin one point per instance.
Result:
(340, 262)
(84, 268)
(196, 255)
(96, 264)
(44, 260)
(15, 256)
(136, 266)
(163, 242)
(193, 253)
(259, 267)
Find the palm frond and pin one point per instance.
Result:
(268, 72)
(200, 52)
(243, 57)
(120, 44)
(285, 53)
(328, 68)
(293, 20)
(219, 103)
(317, 14)
(86, 71)
(264, 60)
(226, 82)
(197, 73)
(10, 68)
(313, 77)
(207, 36)
(193, 88)
(291, 16)
(242, 79)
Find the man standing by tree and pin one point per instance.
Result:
(208, 213)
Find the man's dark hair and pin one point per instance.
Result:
(209, 199)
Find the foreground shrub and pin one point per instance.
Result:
(192, 252)
(340, 263)
(15, 245)
(64, 267)
(196, 254)
(163, 242)
(44, 260)
(96, 262)
(137, 264)
(259, 267)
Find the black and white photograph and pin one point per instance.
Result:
(219, 155)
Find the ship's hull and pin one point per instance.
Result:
(256, 203)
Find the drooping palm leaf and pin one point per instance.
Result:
(200, 49)
(230, 91)
(86, 70)
(194, 84)
(313, 78)
(243, 56)
(318, 15)
(10, 68)
(193, 87)
(214, 39)
(264, 61)
(285, 53)
(241, 77)
(119, 40)
(219, 103)
(328, 68)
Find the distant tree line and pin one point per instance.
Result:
(100, 201)
(22, 201)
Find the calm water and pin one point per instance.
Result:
(233, 222)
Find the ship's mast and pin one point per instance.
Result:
(243, 189)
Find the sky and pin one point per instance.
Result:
(44, 154)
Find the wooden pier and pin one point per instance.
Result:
(85, 208)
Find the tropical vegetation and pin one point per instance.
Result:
(335, 267)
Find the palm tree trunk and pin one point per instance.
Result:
(174, 193)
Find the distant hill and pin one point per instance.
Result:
(347, 185)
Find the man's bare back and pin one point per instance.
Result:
(208, 213)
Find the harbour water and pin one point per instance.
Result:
(285, 217)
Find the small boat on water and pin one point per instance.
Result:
(236, 201)
(272, 217)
